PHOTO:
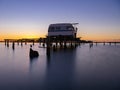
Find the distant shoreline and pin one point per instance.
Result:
(81, 42)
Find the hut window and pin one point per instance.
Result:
(58, 28)
(69, 28)
(51, 28)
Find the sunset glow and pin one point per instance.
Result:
(99, 20)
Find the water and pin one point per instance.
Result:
(83, 68)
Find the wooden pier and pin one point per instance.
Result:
(107, 43)
(56, 42)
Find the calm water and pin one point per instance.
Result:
(82, 68)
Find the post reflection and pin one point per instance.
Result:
(60, 69)
(48, 57)
(33, 62)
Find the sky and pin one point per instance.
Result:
(99, 20)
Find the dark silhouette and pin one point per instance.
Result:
(33, 42)
(13, 45)
(21, 43)
(7, 43)
(109, 43)
(33, 53)
(43, 44)
(96, 43)
(17, 42)
(103, 43)
(91, 45)
(54, 48)
(48, 59)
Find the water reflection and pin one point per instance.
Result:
(59, 74)
(13, 46)
(48, 56)
(90, 45)
(97, 69)
(62, 69)
(33, 62)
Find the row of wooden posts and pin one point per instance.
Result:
(48, 41)
(18, 42)
(58, 43)
(110, 43)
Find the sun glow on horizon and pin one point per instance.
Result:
(20, 36)
(98, 20)
(31, 34)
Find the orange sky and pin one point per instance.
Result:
(98, 19)
(83, 35)
(19, 36)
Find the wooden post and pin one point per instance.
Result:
(56, 41)
(43, 42)
(25, 42)
(13, 45)
(48, 46)
(17, 42)
(71, 44)
(96, 43)
(110, 43)
(74, 42)
(60, 41)
(48, 50)
(33, 42)
(104, 43)
(79, 43)
(7, 43)
(60, 44)
(65, 46)
(40, 40)
(21, 43)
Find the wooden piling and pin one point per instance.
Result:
(33, 42)
(71, 45)
(109, 43)
(13, 45)
(40, 41)
(65, 46)
(96, 43)
(44, 42)
(103, 43)
(21, 43)
(76, 43)
(7, 43)
(17, 42)
(48, 46)
(25, 42)
(56, 41)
